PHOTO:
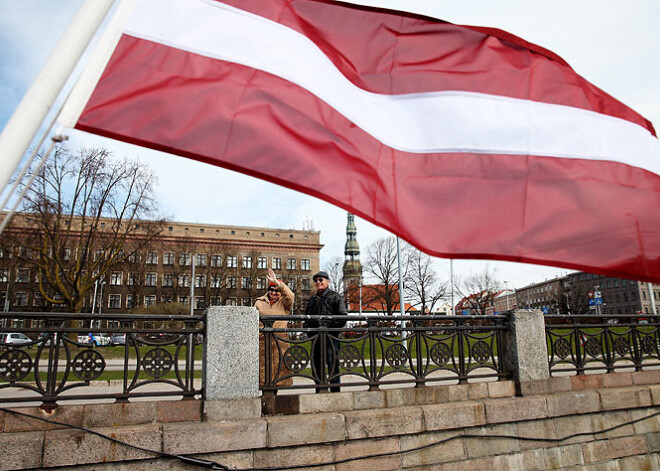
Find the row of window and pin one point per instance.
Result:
(132, 301)
(216, 260)
(183, 280)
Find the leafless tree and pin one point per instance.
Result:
(479, 290)
(335, 269)
(423, 287)
(572, 299)
(381, 267)
(82, 209)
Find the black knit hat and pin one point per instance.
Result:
(321, 274)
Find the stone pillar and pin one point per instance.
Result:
(231, 363)
(526, 353)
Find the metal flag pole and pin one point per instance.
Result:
(650, 288)
(192, 284)
(40, 97)
(398, 258)
(451, 282)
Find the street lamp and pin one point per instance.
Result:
(506, 293)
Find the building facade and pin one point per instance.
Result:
(188, 262)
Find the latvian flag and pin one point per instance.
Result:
(467, 142)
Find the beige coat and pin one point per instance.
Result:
(277, 345)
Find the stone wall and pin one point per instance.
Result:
(335, 427)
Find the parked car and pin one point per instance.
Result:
(15, 339)
(117, 339)
(94, 339)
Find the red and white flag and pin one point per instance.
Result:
(467, 142)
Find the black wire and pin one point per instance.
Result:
(185, 459)
(213, 465)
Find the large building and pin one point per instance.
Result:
(226, 265)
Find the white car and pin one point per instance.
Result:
(15, 339)
(94, 339)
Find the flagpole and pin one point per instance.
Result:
(20, 130)
(398, 258)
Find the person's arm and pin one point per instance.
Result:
(339, 309)
(287, 296)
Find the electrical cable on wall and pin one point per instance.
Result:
(213, 465)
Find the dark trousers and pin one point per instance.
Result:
(331, 362)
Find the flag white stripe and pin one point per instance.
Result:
(447, 121)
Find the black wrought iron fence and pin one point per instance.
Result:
(54, 357)
(373, 351)
(606, 343)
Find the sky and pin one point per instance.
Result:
(613, 44)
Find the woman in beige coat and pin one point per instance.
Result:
(277, 301)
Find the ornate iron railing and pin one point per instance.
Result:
(375, 351)
(59, 361)
(583, 343)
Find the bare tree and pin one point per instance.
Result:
(572, 300)
(479, 290)
(82, 209)
(381, 267)
(335, 269)
(423, 287)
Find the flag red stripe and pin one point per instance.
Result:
(574, 213)
(408, 53)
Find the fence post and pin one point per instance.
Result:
(525, 349)
(231, 363)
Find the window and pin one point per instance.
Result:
(4, 275)
(134, 257)
(232, 261)
(261, 282)
(168, 279)
(132, 277)
(168, 258)
(150, 279)
(247, 282)
(166, 298)
(114, 301)
(216, 260)
(183, 299)
(216, 282)
(291, 283)
(67, 254)
(277, 263)
(199, 302)
(247, 262)
(116, 278)
(262, 262)
(131, 301)
(247, 301)
(290, 263)
(200, 260)
(216, 301)
(306, 284)
(184, 259)
(37, 300)
(184, 281)
(152, 258)
(22, 275)
(150, 300)
(230, 302)
(200, 281)
(231, 282)
(305, 264)
(21, 300)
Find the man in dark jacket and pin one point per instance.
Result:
(326, 303)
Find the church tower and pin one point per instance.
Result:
(352, 265)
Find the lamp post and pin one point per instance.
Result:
(506, 293)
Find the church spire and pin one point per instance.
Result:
(352, 265)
